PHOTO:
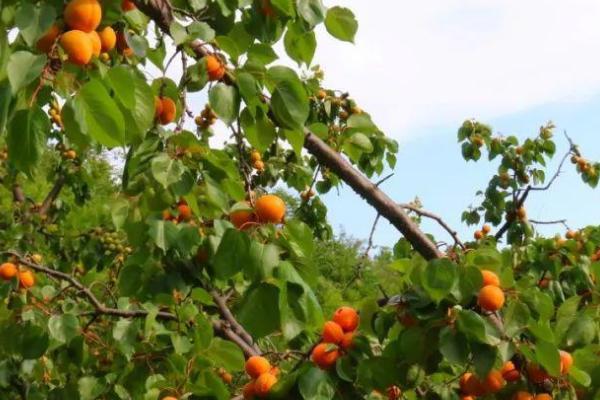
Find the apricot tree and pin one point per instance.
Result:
(187, 277)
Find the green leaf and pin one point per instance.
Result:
(32, 342)
(314, 384)
(89, 388)
(516, 318)
(98, 115)
(362, 142)
(164, 233)
(225, 354)
(63, 327)
(33, 22)
(438, 278)
(580, 376)
(225, 101)
(453, 346)
(548, 356)
(300, 44)
(166, 170)
(471, 325)
(5, 101)
(259, 131)
(260, 300)
(341, 24)
(24, 67)
(289, 100)
(26, 138)
(119, 212)
(296, 139)
(311, 11)
(263, 258)
(231, 255)
(261, 53)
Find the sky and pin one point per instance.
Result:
(421, 68)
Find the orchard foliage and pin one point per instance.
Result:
(188, 275)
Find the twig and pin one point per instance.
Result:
(365, 254)
(438, 219)
(562, 222)
(235, 325)
(52, 195)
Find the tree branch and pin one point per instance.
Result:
(235, 325)
(52, 195)
(438, 219)
(18, 194)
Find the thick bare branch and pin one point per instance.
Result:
(52, 195)
(230, 318)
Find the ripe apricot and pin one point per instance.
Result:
(70, 154)
(78, 46)
(264, 383)
(274, 371)
(168, 112)
(270, 209)
(332, 333)
(491, 298)
(394, 393)
(166, 215)
(490, 278)
(127, 5)
(521, 213)
(26, 279)
(225, 376)
(566, 362)
(486, 229)
(158, 107)
(536, 373)
(256, 366)
(571, 234)
(8, 271)
(522, 395)
(259, 165)
(83, 15)
(214, 67)
(494, 382)
(240, 218)
(108, 38)
(248, 391)
(478, 235)
(255, 156)
(325, 355)
(185, 212)
(471, 385)
(347, 341)
(96, 43)
(467, 398)
(169, 398)
(347, 318)
(45, 43)
(509, 372)
(542, 396)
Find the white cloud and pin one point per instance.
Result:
(437, 62)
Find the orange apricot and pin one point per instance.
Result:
(127, 5)
(169, 398)
(566, 362)
(240, 218)
(248, 391)
(542, 396)
(490, 278)
(494, 382)
(264, 383)
(8, 271)
(168, 111)
(522, 395)
(108, 38)
(536, 373)
(486, 229)
(78, 46)
(26, 279)
(214, 67)
(45, 43)
(332, 333)
(347, 318)
(158, 107)
(471, 385)
(491, 298)
(96, 43)
(270, 209)
(478, 235)
(256, 366)
(255, 156)
(185, 212)
(325, 355)
(509, 372)
(394, 392)
(347, 341)
(83, 15)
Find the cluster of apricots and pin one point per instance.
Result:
(491, 296)
(263, 377)
(583, 165)
(184, 213)
(257, 162)
(337, 337)
(485, 230)
(268, 209)
(10, 270)
(164, 110)
(54, 113)
(207, 118)
(472, 386)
